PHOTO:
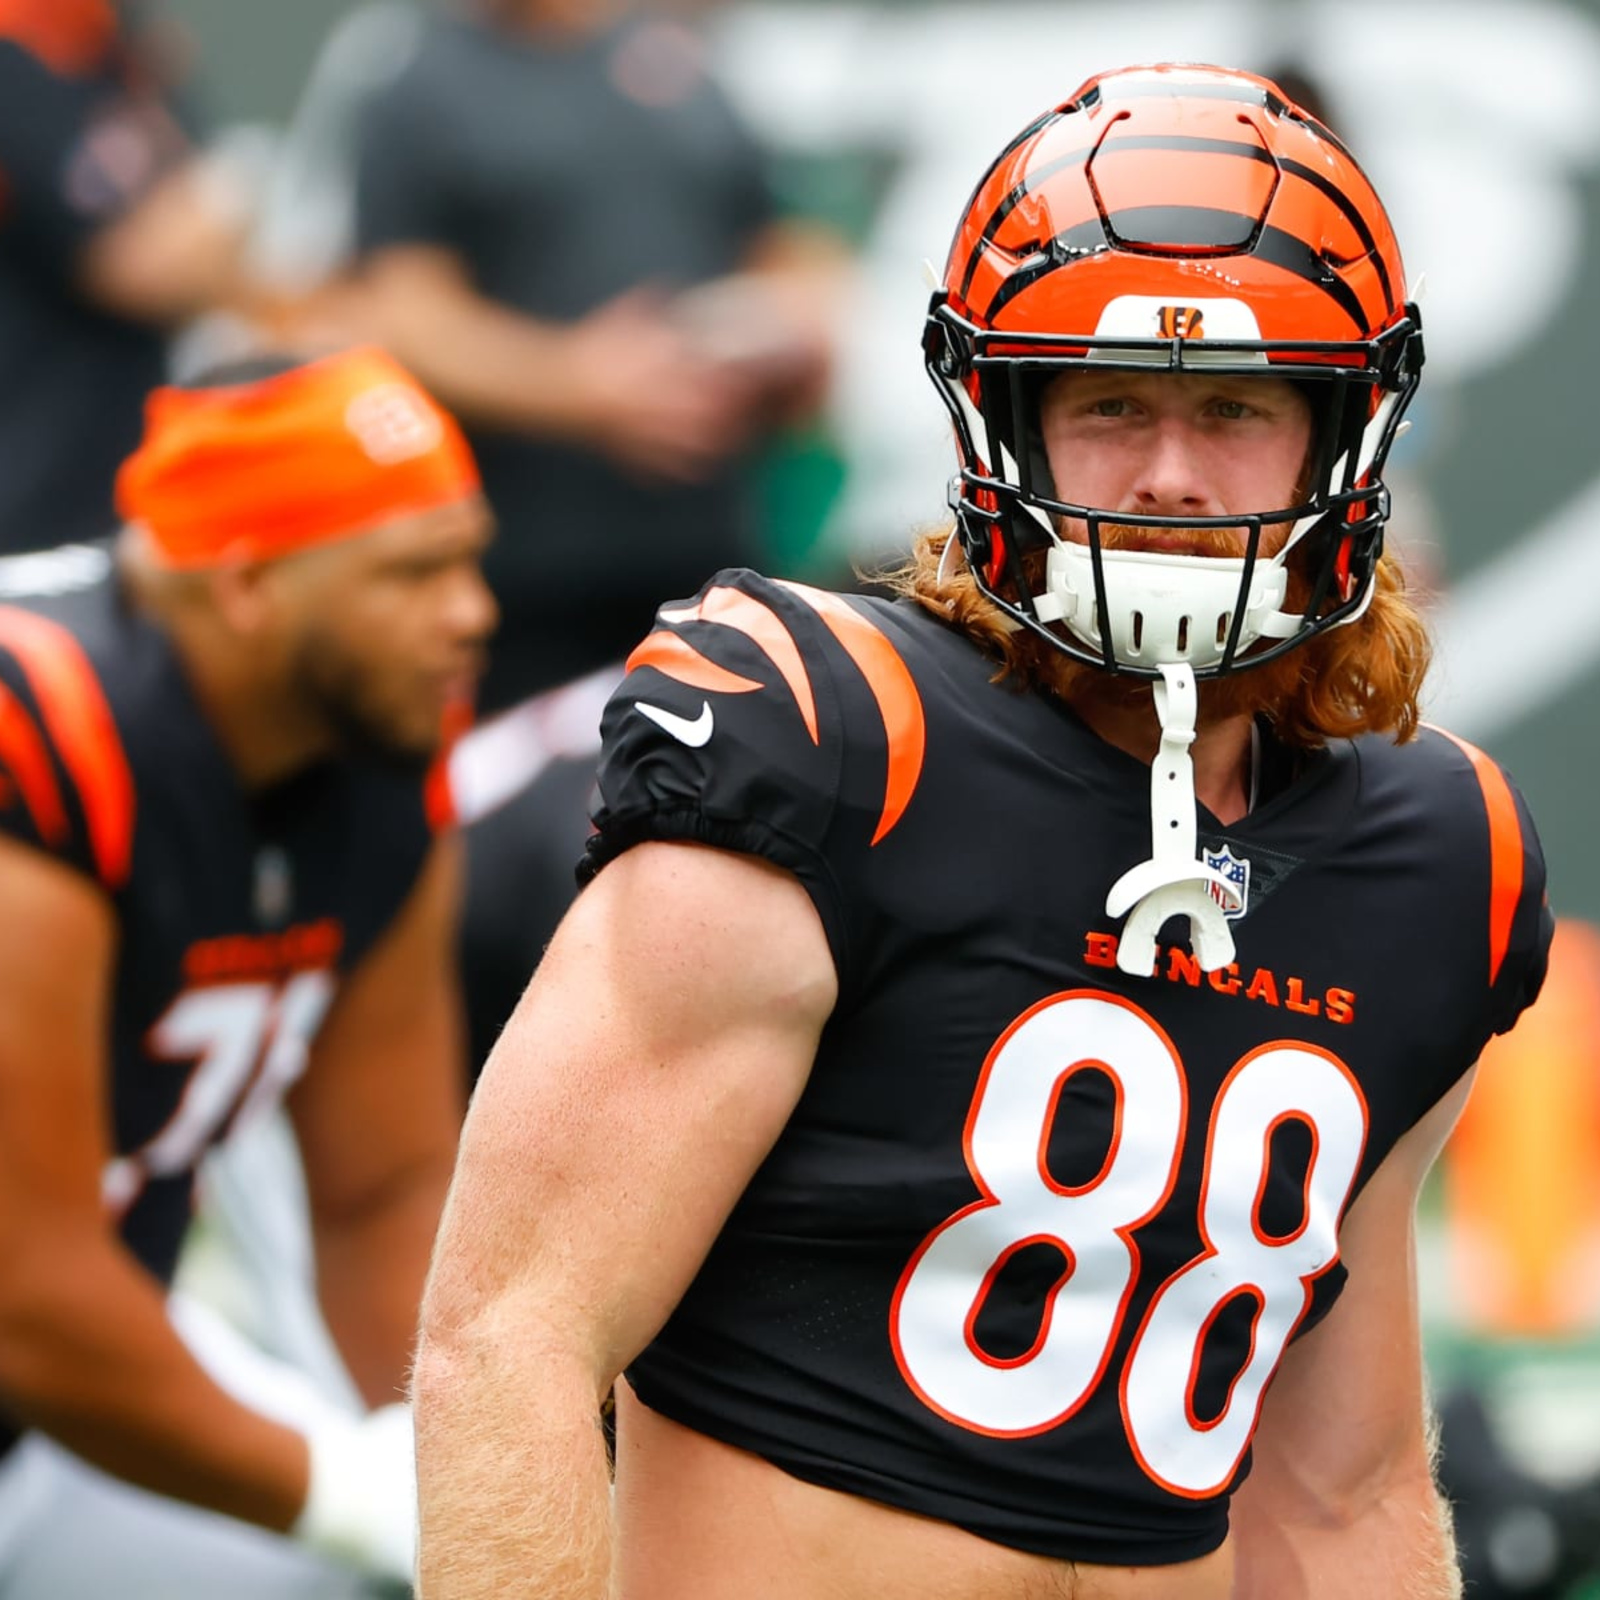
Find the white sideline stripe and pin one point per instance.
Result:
(1515, 633)
(502, 756)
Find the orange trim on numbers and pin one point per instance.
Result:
(677, 658)
(1505, 849)
(893, 688)
(758, 621)
(27, 760)
(74, 709)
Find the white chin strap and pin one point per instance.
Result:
(1163, 607)
(1173, 882)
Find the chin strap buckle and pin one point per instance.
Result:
(1173, 882)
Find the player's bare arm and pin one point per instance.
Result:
(86, 1350)
(377, 1116)
(657, 1053)
(176, 253)
(1341, 1503)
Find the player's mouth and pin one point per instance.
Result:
(458, 681)
(1173, 541)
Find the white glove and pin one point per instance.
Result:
(362, 1504)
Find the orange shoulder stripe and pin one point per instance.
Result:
(22, 748)
(892, 687)
(74, 709)
(679, 659)
(1505, 849)
(735, 609)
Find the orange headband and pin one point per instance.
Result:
(328, 450)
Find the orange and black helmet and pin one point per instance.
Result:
(1185, 218)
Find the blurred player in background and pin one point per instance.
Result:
(1006, 1028)
(225, 886)
(114, 228)
(561, 226)
(550, 212)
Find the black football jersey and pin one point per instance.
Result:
(238, 911)
(1038, 1232)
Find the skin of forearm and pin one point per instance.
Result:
(371, 1266)
(89, 1357)
(1403, 1548)
(514, 1493)
(174, 256)
(477, 358)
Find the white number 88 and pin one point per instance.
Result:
(946, 1283)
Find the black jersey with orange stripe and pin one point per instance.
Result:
(1038, 1232)
(237, 911)
(88, 132)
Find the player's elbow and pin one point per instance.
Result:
(41, 1316)
(173, 256)
(1370, 1476)
(467, 1359)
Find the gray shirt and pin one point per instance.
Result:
(562, 174)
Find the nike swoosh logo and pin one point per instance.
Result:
(694, 734)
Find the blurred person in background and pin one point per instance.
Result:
(984, 1087)
(550, 212)
(1520, 1196)
(227, 883)
(115, 228)
(562, 228)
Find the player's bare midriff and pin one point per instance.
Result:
(699, 1520)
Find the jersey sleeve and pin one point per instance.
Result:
(77, 151)
(65, 783)
(769, 719)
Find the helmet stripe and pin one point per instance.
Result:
(1296, 256)
(1085, 239)
(998, 220)
(1035, 127)
(1190, 224)
(1352, 215)
(1181, 144)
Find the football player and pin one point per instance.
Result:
(117, 227)
(975, 1109)
(227, 884)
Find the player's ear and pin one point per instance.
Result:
(246, 595)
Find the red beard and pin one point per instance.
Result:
(1244, 691)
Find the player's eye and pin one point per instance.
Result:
(1109, 405)
(1232, 410)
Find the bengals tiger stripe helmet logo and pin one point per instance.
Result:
(1186, 217)
(1180, 322)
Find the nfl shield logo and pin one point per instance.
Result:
(1236, 869)
(274, 886)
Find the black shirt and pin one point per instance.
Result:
(83, 138)
(1034, 1239)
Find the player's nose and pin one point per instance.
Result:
(471, 612)
(1172, 479)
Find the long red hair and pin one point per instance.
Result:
(1364, 677)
